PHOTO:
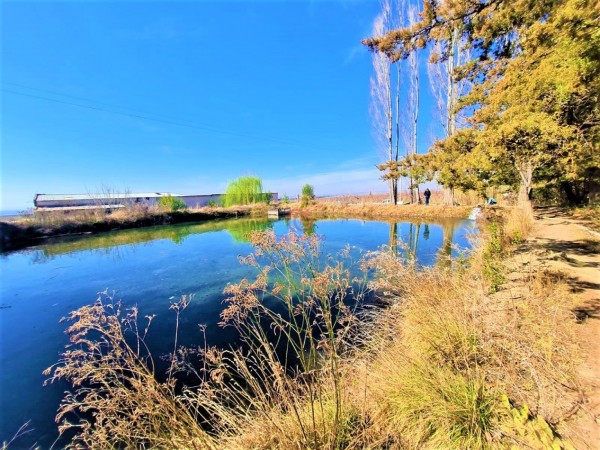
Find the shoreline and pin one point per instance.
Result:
(16, 235)
(21, 232)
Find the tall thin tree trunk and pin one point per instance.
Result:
(416, 115)
(390, 135)
(525, 170)
(397, 152)
(452, 99)
(382, 99)
(414, 108)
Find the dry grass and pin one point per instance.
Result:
(445, 365)
(129, 214)
(517, 226)
(112, 373)
(589, 214)
(469, 198)
(369, 210)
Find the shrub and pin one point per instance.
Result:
(170, 203)
(285, 199)
(308, 195)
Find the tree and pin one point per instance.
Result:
(415, 167)
(381, 108)
(308, 195)
(534, 97)
(446, 90)
(412, 110)
(244, 191)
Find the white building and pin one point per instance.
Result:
(67, 202)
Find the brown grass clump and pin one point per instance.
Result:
(112, 373)
(518, 225)
(453, 363)
(369, 210)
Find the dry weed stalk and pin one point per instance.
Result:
(294, 318)
(116, 394)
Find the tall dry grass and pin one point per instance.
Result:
(116, 395)
(456, 367)
(369, 210)
(443, 365)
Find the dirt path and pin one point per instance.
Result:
(560, 242)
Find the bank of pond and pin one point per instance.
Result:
(153, 267)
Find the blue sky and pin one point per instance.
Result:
(183, 97)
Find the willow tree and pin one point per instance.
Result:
(244, 191)
(534, 69)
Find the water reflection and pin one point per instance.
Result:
(394, 238)
(405, 239)
(426, 231)
(119, 242)
(308, 225)
(446, 248)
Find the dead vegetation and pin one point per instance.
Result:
(370, 210)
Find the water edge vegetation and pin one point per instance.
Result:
(445, 363)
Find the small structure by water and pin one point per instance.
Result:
(276, 213)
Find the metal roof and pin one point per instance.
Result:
(77, 208)
(101, 196)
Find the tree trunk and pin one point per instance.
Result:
(397, 151)
(525, 170)
(393, 191)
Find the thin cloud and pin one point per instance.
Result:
(354, 53)
(330, 183)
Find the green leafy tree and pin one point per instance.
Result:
(244, 191)
(415, 167)
(308, 195)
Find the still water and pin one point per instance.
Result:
(151, 267)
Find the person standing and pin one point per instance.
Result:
(427, 194)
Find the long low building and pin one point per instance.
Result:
(67, 202)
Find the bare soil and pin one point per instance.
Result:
(562, 243)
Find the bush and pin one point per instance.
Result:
(308, 195)
(171, 204)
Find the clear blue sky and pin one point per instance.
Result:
(183, 97)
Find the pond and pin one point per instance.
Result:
(151, 267)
